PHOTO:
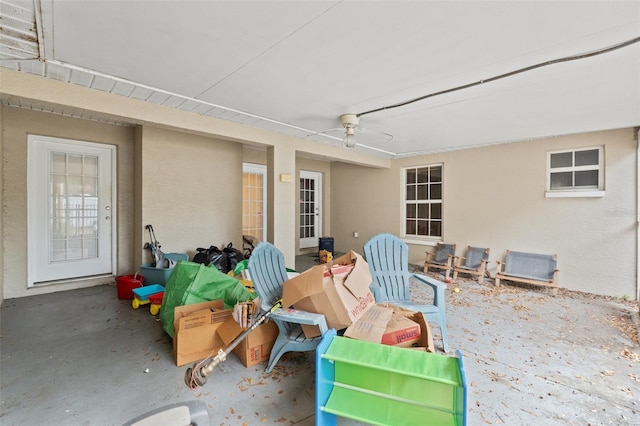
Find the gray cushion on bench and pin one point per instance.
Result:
(530, 265)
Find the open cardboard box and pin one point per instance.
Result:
(341, 301)
(256, 347)
(194, 330)
(392, 325)
(201, 329)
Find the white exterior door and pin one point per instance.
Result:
(71, 209)
(310, 208)
(254, 200)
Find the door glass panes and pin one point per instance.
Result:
(307, 208)
(253, 204)
(423, 201)
(73, 207)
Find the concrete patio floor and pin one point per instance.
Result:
(80, 358)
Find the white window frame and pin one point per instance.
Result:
(416, 239)
(576, 191)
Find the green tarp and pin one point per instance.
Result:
(194, 283)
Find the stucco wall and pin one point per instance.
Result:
(257, 156)
(191, 191)
(186, 186)
(494, 197)
(364, 200)
(17, 124)
(4, 206)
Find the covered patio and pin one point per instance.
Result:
(81, 357)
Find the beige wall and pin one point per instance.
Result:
(252, 155)
(364, 200)
(191, 191)
(324, 167)
(16, 125)
(187, 186)
(494, 197)
(138, 169)
(2, 202)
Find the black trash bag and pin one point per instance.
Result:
(234, 256)
(212, 256)
(249, 242)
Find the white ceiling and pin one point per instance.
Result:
(296, 66)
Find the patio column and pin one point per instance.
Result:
(281, 192)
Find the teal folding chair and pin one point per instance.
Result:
(388, 259)
(268, 272)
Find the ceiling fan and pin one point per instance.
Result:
(351, 127)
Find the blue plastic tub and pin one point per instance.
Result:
(153, 275)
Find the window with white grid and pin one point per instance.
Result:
(423, 201)
(575, 172)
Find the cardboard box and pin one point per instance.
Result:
(342, 301)
(401, 331)
(195, 327)
(256, 347)
(383, 323)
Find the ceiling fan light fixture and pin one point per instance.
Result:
(349, 140)
(349, 122)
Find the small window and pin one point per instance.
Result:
(575, 173)
(423, 201)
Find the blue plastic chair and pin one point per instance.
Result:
(388, 259)
(268, 272)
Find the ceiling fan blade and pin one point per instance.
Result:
(378, 133)
(322, 132)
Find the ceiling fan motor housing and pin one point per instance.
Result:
(349, 121)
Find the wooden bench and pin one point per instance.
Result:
(528, 268)
(384, 385)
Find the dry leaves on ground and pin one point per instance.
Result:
(624, 324)
(626, 353)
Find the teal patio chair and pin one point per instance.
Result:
(388, 259)
(268, 272)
